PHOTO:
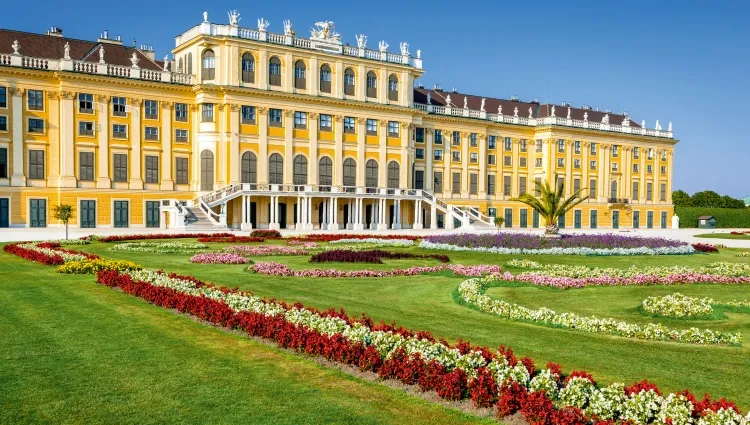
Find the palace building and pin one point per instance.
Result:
(246, 128)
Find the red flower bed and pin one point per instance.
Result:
(231, 239)
(147, 236)
(336, 237)
(42, 258)
(374, 256)
(267, 234)
(704, 247)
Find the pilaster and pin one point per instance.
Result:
(429, 136)
(262, 145)
(482, 180)
(67, 141)
(18, 178)
(288, 144)
(404, 174)
(312, 161)
(136, 181)
(166, 146)
(360, 153)
(382, 154)
(464, 164)
(338, 151)
(103, 180)
(220, 174)
(53, 161)
(234, 146)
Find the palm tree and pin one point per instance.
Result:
(551, 204)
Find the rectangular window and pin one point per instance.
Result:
(473, 183)
(492, 212)
(419, 153)
(650, 219)
(473, 157)
(392, 129)
(508, 145)
(248, 114)
(325, 122)
(207, 112)
(508, 217)
(181, 112)
(521, 186)
(36, 125)
(592, 189)
(614, 166)
(539, 144)
(522, 162)
(3, 97)
(491, 142)
(592, 221)
(35, 99)
(36, 164)
(537, 162)
(473, 142)
(85, 128)
(663, 169)
(372, 127)
(85, 103)
(419, 135)
(663, 192)
(181, 170)
(437, 154)
(537, 183)
(152, 133)
(86, 166)
(87, 212)
(650, 153)
(524, 218)
(120, 167)
(119, 106)
(663, 155)
(615, 151)
(524, 145)
(507, 160)
(456, 156)
(577, 146)
(491, 159)
(438, 137)
(119, 131)
(419, 179)
(649, 191)
(650, 169)
(152, 169)
(38, 212)
(152, 214)
(3, 123)
(592, 165)
(561, 182)
(636, 188)
(636, 219)
(663, 220)
(456, 187)
(577, 163)
(561, 145)
(506, 185)
(490, 184)
(438, 181)
(181, 135)
(3, 163)
(121, 213)
(560, 162)
(456, 138)
(349, 125)
(635, 168)
(300, 120)
(576, 185)
(151, 109)
(636, 152)
(274, 117)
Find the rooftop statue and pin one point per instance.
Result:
(481, 108)
(205, 16)
(499, 109)
(585, 116)
(16, 47)
(134, 60)
(101, 54)
(67, 51)
(531, 112)
(429, 98)
(361, 41)
(552, 114)
(466, 102)
(166, 63)
(657, 126)
(669, 128)
(448, 101)
(234, 17)
(515, 112)
(288, 27)
(263, 24)
(605, 119)
(404, 48)
(383, 46)
(568, 112)
(324, 31)
(643, 124)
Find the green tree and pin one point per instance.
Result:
(551, 204)
(707, 199)
(498, 222)
(680, 198)
(63, 212)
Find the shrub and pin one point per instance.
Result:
(95, 266)
(267, 234)
(726, 218)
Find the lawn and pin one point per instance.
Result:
(745, 237)
(233, 365)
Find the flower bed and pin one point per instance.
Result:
(95, 266)
(303, 244)
(374, 242)
(232, 239)
(434, 242)
(678, 305)
(532, 241)
(218, 258)
(739, 303)
(262, 250)
(472, 292)
(277, 269)
(47, 253)
(704, 247)
(744, 254)
(163, 248)
(323, 237)
(149, 236)
(374, 256)
(266, 234)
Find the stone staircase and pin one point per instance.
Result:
(198, 221)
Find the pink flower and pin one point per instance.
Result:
(218, 258)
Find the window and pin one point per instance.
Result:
(419, 179)
(419, 153)
(248, 114)
(181, 170)
(299, 175)
(85, 128)
(577, 163)
(300, 75)
(473, 140)
(593, 165)
(663, 169)
(35, 100)
(663, 192)
(438, 181)
(86, 103)
(650, 169)
(419, 135)
(456, 138)
(473, 157)
(437, 154)
(592, 189)
(349, 125)
(539, 145)
(614, 167)
(561, 145)
(350, 172)
(119, 131)
(152, 169)
(560, 162)
(650, 219)
(577, 146)
(522, 185)
(613, 190)
(438, 137)
(393, 88)
(508, 217)
(87, 212)
(209, 65)
(524, 219)
(650, 153)
(276, 169)
(121, 212)
(36, 164)
(372, 85)
(508, 144)
(3, 123)
(371, 173)
(392, 129)
(456, 155)
(274, 117)
(38, 212)
(120, 167)
(490, 184)
(3, 163)
(537, 183)
(524, 146)
(274, 71)
(649, 191)
(249, 168)
(86, 166)
(152, 133)
(152, 109)
(473, 184)
(615, 151)
(349, 82)
(325, 79)
(326, 122)
(372, 127)
(325, 171)
(560, 181)
(180, 112)
(491, 142)
(190, 63)
(300, 120)
(576, 185)
(592, 221)
(636, 152)
(491, 159)
(152, 214)
(456, 186)
(36, 125)
(248, 68)
(3, 97)
(663, 219)
(393, 175)
(119, 106)
(506, 185)
(523, 162)
(181, 135)
(635, 168)
(207, 112)
(592, 150)
(537, 162)
(507, 160)
(636, 188)
(636, 219)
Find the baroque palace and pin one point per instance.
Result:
(246, 128)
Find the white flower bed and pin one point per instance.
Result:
(564, 270)
(471, 291)
(66, 256)
(738, 303)
(678, 250)
(374, 242)
(678, 305)
(159, 247)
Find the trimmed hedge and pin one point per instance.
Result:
(726, 218)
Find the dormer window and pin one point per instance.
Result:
(209, 65)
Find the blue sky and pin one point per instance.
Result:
(680, 61)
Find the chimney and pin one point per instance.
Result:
(147, 50)
(104, 38)
(438, 87)
(54, 32)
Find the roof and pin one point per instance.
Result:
(706, 217)
(53, 47)
(491, 105)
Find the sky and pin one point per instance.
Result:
(680, 61)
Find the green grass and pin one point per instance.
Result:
(725, 235)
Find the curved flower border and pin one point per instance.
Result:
(278, 269)
(678, 305)
(667, 250)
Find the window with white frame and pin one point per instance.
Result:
(119, 106)
(491, 159)
(473, 157)
(508, 144)
(438, 137)
(393, 128)
(151, 109)
(437, 154)
(119, 131)
(35, 100)
(473, 142)
(248, 114)
(456, 155)
(592, 165)
(592, 149)
(419, 153)
(85, 128)
(456, 138)
(325, 122)
(274, 117)
(349, 125)
(85, 103)
(577, 146)
(152, 133)
(300, 120)
(207, 112)
(561, 145)
(560, 162)
(372, 127)
(524, 145)
(577, 163)
(181, 135)
(181, 112)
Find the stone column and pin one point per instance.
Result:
(333, 208)
(234, 144)
(309, 202)
(433, 217)
(447, 174)
(53, 127)
(18, 178)
(382, 154)
(67, 141)
(397, 214)
(166, 146)
(262, 145)
(404, 178)
(464, 164)
(360, 152)
(358, 214)
(482, 180)
(338, 152)
(288, 146)
(382, 211)
(136, 180)
(428, 156)
(103, 181)
(312, 161)
(417, 215)
(196, 146)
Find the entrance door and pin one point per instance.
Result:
(636, 219)
(346, 215)
(295, 213)
(253, 215)
(535, 219)
(4, 212)
(282, 215)
(88, 214)
(391, 215)
(121, 213)
(577, 219)
(615, 219)
(38, 212)
(368, 215)
(152, 214)
(650, 219)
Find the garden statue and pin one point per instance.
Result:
(361, 41)
(66, 55)
(234, 18)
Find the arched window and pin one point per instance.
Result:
(349, 82)
(300, 170)
(274, 71)
(300, 75)
(207, 170)
(371, 174)
(276, 169)
(209, 65)
(190, 63)
(325, 171)
(613, 190)
(393, 171)
(350, 172)
(372, 84)
(248, 68)
(393, 88)
(325, 79)
(249, 168)
(180, 65)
